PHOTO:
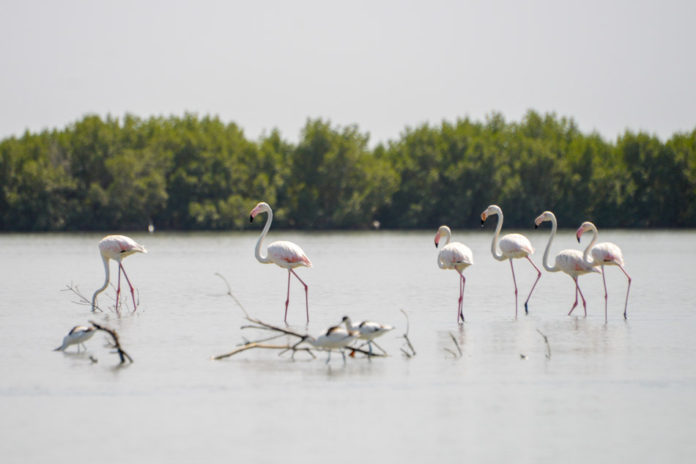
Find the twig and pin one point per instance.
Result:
(548, 345)
(408, 341)
(229, 292)
(251, 345)
(82, 300)
(115, 342)
(459, 350)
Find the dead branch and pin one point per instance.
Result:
(411, 351)
(81, 299)
(250, 345)
(548, 345)
(115, 342)
(459, 353)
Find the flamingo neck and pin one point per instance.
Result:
(495, 251)
(257, 252)
(447, 236)
(106, 282)
(585, 254)
(545, 262)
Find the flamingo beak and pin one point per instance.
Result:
(251, 218)
(483, 218)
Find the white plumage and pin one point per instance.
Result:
(455, 256)
(117, 247)
(367, 330)
(77, 336)
(335, 337)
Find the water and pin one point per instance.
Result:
(615, 392)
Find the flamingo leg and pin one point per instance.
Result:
(129, 285)
(627, 290)
(287, 298)
(461, 297)
(606, 295)
(514, 281)
(576, 296)
(306, 290)
(526, 309)
(584, 303)
(118, 287)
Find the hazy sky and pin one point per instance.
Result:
(383, 65)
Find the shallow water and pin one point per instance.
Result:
(610, 392)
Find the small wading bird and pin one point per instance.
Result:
(512, 246)
(568, 261)
(282, 253)
(335, 338)
(367, 330)
(77, 336)
(455, 256)
(604, 253)
(117, 247)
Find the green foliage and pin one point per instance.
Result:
(200, 173)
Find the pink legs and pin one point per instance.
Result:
(584, 304)
(514, 281)
(118, 290)
(606, 296)
(287, 300)
(460, 311)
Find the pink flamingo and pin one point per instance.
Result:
(117, 247)
(604, 253)
(568, 261)
(285, 254)
(455, 256)
(512, 246)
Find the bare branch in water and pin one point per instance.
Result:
(459, 353)
(548, 345)
(411, 351)
(116, 344)
(229, 292)
(81, 299)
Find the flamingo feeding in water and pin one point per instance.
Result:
(117, 247)
(282, 253)
(512, 246)
(568, 261)
(604, 253)
(455, 256)
(77, 336)
(367, 330)
(335, 338)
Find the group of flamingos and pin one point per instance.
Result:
(451, 255)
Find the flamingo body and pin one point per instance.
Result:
(117, 247)
(511, 246)
(77, 336)
(282, 253)
(604, 254)
(455, 256)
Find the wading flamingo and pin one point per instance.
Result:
(77, 336)
(455, 256)
(604, 253)
(117, 247)
(285, 254)
(568, 261)
(335, 338)
(512, 246)
(367, 330)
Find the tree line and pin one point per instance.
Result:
(194, 173)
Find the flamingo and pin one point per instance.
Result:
(604, 253)
(117, 247)
(512, 246)
(282, 253)
(336, 337)
(455, 256)
(568, 261)
(367, 330)
(77, 336)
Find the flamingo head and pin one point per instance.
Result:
(443, 231)
(543, 217)
(261, 207)
(490, 211)
(584, 227)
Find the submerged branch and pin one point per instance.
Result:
(410, 352)
(115, 342)
(548, 345)
(459, 353)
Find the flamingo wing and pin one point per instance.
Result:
(607, 253)
(515, 246)
(456, 254)
(119, 246)
(288, 255)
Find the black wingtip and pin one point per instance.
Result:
(251, 218)
(536, 226)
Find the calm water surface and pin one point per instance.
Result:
(610, 393)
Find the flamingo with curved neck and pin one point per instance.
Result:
(604, 253)
(116, 247)
(569, 261)
(455, 256)
(281, 253)
(511, 246)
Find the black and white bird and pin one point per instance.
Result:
(368, 331)
(335, 338)
(77, 336)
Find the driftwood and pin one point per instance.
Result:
(115, 342)
(548, 345)
(408, 351)
(258, 324)
(457, 354)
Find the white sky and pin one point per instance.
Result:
(383, 65)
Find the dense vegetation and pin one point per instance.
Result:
(200, 173)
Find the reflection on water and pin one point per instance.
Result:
(616, 391)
